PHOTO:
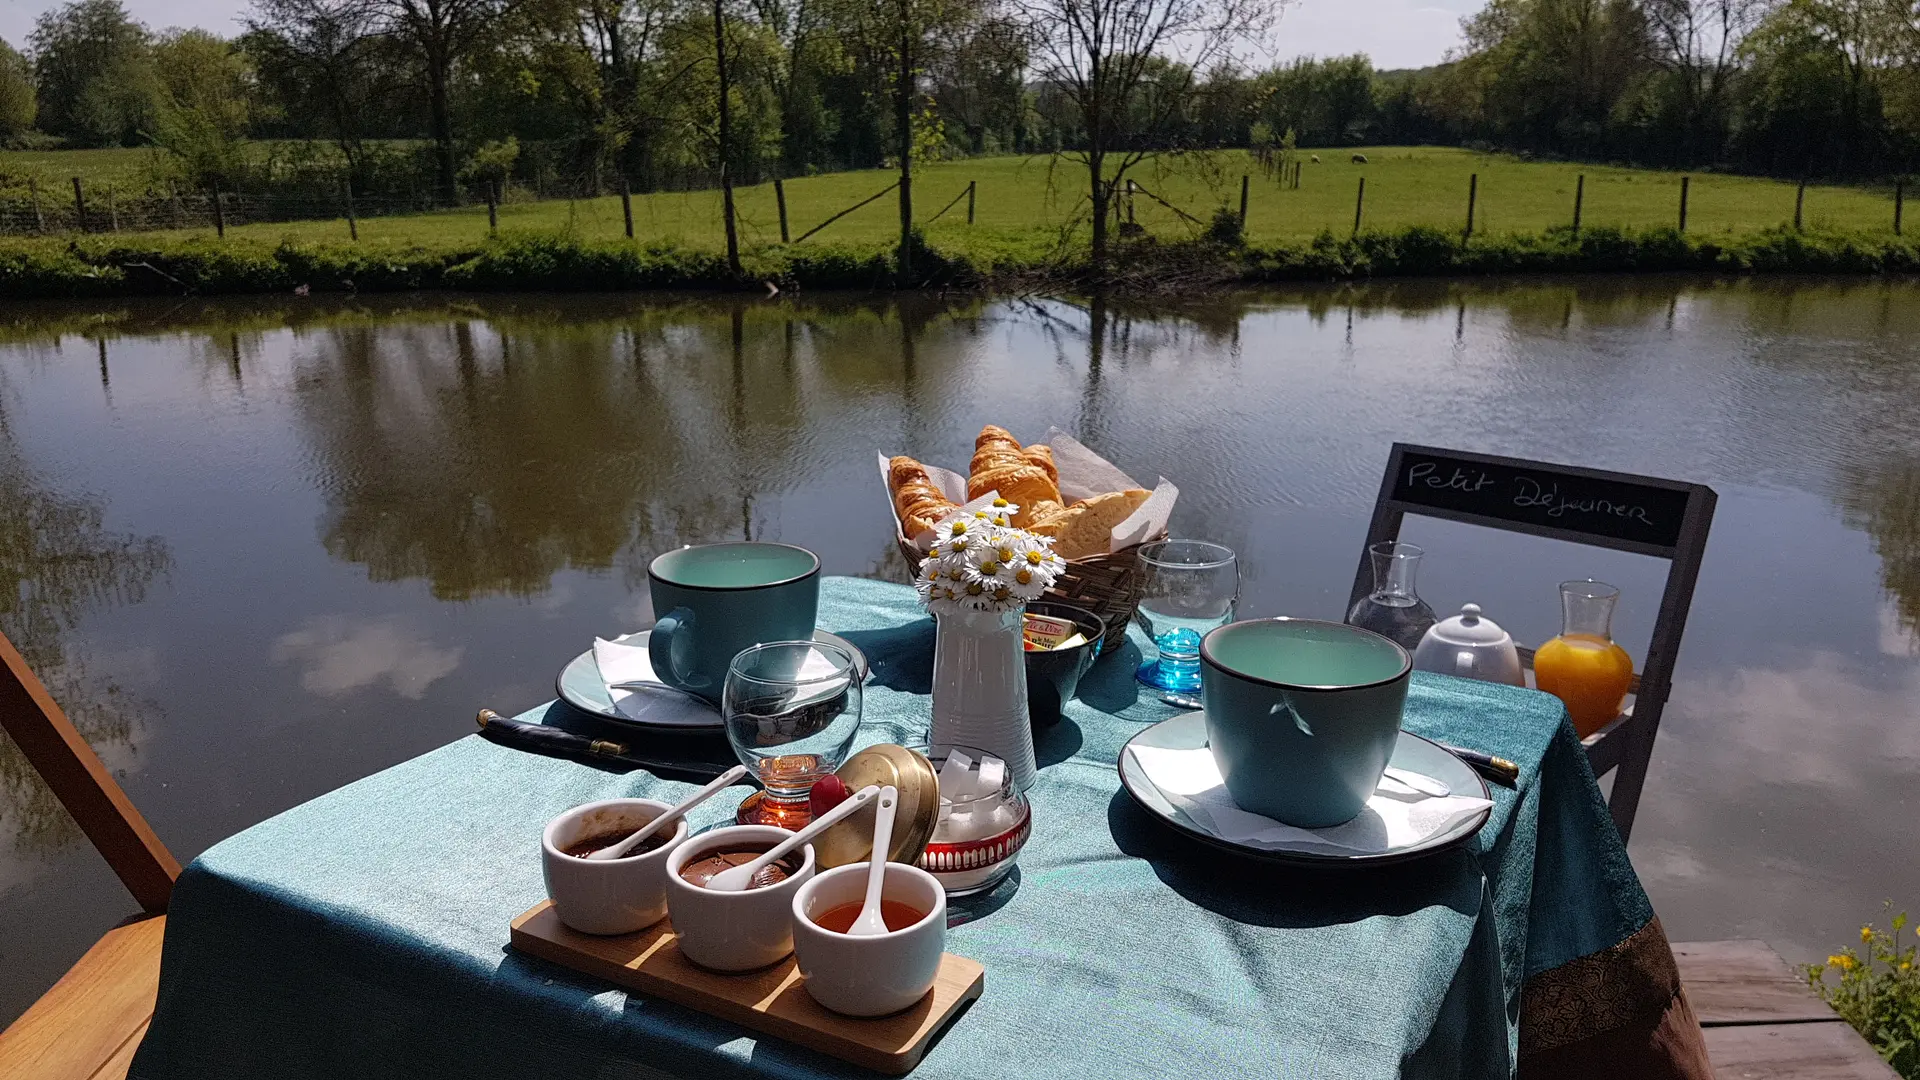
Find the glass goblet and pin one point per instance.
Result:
(1191, 587)
(791, 710)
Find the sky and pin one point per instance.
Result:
(1396, 33)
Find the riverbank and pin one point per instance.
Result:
(101, 267)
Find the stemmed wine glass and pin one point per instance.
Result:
(1191, 587)
(791, 710)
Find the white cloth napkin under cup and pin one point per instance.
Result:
(1395, 818)
(620, 663)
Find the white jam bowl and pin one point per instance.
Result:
(734, 931)
(610, 896)
(878, 975)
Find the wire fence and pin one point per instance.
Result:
(77, 209)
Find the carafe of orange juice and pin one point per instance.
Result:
(1583, 667)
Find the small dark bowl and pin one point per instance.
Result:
(1053, 677)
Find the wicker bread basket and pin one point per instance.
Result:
(1107, 585)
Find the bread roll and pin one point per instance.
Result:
(1025, 486)
(1086, 527)
(918, 500)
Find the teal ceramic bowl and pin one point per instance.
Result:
(1302, 715)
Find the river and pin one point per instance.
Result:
(260, 549)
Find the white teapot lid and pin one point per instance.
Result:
(1469, 628)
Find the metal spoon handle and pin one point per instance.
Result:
(619, 850)
(870, 920)
(745, 871)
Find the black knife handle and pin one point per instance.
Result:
(542, 739)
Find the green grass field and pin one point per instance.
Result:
(1024, 203)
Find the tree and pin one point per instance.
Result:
(322, 64)
(18, 105)
(438, 36)
(204, 103)
(1697, 42)
(95, 73)
(1104, 58)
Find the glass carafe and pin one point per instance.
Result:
(1583, 667)
(1394, 609)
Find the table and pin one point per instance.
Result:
(363, 934)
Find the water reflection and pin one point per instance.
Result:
(58, 563)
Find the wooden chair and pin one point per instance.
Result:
(89, 1024)
(1641, 514)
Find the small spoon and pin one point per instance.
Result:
(870, 923)
(740, 878)
(1425, 785)
(619, 850)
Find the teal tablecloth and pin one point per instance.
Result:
(363, 934)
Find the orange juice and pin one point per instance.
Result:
(1591, 674)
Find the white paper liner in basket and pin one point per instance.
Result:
(1083, 474)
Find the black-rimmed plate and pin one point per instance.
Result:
(1413, 753)
(579, 685)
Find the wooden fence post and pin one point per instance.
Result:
(626, 206)
(79, 207)
(1359, 205)
(493, 206)
(1800, 206)
(353, 221)
(1686, 185)
(219, 213)
(1473, 199)
(973, 185)
(1243, 202)
(1579, 201)
(1899, 202)
(780, 202)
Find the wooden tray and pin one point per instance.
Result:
(771, 1000)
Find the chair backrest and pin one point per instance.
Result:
(1646, 515)
(82, 783)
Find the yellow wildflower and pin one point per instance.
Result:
(1866, 934)
(1841, 961)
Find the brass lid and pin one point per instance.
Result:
(851, 840)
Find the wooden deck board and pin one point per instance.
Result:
(1822, 1051)
(91, 1021)
(1745, 982)
(1762, 1021)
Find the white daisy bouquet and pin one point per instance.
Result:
(980, 562)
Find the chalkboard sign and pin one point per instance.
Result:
(1548, 498)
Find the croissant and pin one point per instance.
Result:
(995, 448)
(1042, 456)
(917, 499)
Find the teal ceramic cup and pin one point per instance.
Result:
(1302, 715)
(717, 599)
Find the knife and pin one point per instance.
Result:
(556, 742)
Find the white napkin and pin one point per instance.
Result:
(1396, 817)
(623, 663)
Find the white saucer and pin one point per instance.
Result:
(1413, 753)
(579, 685)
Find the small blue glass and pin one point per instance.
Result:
(1190, 588)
